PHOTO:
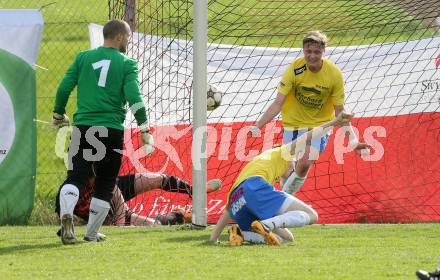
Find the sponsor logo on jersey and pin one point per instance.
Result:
(236, 194)
(314, 90)
(237, 205)
(308, 101)
(322, 87)
(300, 69)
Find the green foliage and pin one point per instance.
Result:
(319, 252)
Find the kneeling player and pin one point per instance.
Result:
(257, 206)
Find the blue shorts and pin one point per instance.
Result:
(254, 199)
(319, 143)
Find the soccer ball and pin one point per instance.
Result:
(214, 97)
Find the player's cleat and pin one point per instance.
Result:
(424, 275)
(67, 230)
(98, 238)
(235, 236)
(213, 185)
(268, 235)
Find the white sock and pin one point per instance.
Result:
(288, 238)
(69, 195)
(98, 211)
(293, 183)
(289, 219)
(254, 237)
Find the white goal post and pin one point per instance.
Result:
(199, 132)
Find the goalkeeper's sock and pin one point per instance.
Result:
(69, 195)
(293, 183)
(98, 211)
(289, 219)
(174, 184)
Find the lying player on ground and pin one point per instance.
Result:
(129, 186)
(257, 207)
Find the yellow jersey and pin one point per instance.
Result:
(310, 97)
(269, 165)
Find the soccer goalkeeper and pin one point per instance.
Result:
(257, 206)
(129, 186)
(106, 80)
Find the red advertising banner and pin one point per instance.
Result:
(399, 186)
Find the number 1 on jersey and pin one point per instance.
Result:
(104, 64)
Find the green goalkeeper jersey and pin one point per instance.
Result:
(106, 80)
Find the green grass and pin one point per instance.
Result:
(284, 23)
(231, 22)
(319, 252)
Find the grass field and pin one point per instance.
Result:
(65, 33)
(319, 252)
(283, 23)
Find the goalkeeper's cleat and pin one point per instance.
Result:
(67, 230)
(213, 185)
(235, 236)
(98, 238)
(268, 235)
(424, 275)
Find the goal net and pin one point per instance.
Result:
(388, 52)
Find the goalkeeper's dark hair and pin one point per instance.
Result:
(114, 27)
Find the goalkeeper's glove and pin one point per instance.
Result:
(147, 140)
(59, 120)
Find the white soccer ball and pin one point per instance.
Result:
(214, 97)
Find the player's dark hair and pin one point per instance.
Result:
(114, 27)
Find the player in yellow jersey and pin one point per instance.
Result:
(257, 206)
(310, 93)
